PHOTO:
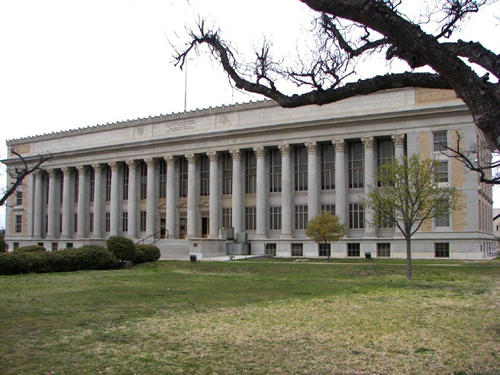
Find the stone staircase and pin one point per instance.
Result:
(173, 249)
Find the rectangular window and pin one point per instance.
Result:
(328, 208)
(227, 173)
(60, 223)
(54, 246)
(353, 249)
(300, 168)
(183, 177)
(356, 216)
(324, 249)
(75, 228)
(297, 249)
(356, 165)
(250, 172)
(19, 198)
(162, 180)
(442, 220)
(440, 140)
(69, 245)
(327, 166)
(19, 223)
(385, 153)
(125, 178)
(143, 221)
(204, 175)
(144, 180)
(275, 170)
(91, 222)
(76, 185)
(108, 183)
(92, 185)
(125, 221)
(275, 218)
(61, 189)
(383, 250)
(15, 245)
(300, 217)
(270, 249)
(442, 250)
(46, 189)
(107, 222)
(250, 218)
(441, 171)
(227, 217)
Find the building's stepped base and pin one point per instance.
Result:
(173, 249)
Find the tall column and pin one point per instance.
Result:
(132, 199)
(98, 200)
(261, 197)
(237, 193)
(340, 181)
(52, 206)
(368, 144)
(399, 144)
(67, 204)
(286, 192)
(114, 208)
(192, 199)
(171, 197)
(82, 231)
(151, 198)
(214, 195)
(312, 179)
(38, 209)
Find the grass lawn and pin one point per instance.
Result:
(254, 317)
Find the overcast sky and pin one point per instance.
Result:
(67, 64)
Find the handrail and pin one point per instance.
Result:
(151, 235)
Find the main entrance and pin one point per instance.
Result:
(163, 227)
(182, 227)
(205, 227)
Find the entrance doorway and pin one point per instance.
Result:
(205, 227)
(182, 227)
(163, 227)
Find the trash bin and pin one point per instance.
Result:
(368, 255)
(193, 258)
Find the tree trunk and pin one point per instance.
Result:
(408, 258)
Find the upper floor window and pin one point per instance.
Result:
(327, 166)
(125, 178)
(250, 172)
(227, 173)
(250, 218)
(227, 217)
(300, 168)
(19, 198)
(204, 175)
(144, 180)
(274, 218)
(356, 165)
(19, 223)
(328, 208)
(76, 185)
(356, 216)
(440, 140)
(162, 189)
(108, 183)
(275, 170)
(385, 153)
(92, 185)
(443, 219)
(441, 171)
(301, 212)
(183, 177)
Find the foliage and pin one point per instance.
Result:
(325, 228)
(409, 196)
(3, 245)
(146, 253)
(123, 248)
(15, 262)
(30, 249)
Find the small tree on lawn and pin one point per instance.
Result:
(410, 194)
(325, 228)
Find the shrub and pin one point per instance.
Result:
(122, 248)
(14, 263)
(146, 253)
(30, 249)
(3, 246)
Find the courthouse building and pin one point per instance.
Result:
(255, 167)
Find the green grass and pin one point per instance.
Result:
(259, 317)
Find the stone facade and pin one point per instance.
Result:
(256, 167)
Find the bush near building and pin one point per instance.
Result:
(123, 248)
(30, 249)
(146, 253)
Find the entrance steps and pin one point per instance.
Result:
(173, 249)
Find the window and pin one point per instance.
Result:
(383, 250)
(356, 216)
(144, 180)
(301, 217)
(76, 185)
(442, 220)
(46, 223)
(183, 177)
(143, 221)
(204, 175)
(440, 140)
(328, 208)
(275, 218)
(54, 246)
(75, 228)
(92, 185)
(45, 182)
(227, 173)
(227, 217)
(250, 218)
(353, 249)
(270, 249)
(125, 221)
(107, 222)
(60, 223)
(91, 222)
(162, 165)
(356, 165)
(61, 189)
(442, 250)
(300, 168)
(19, 223)
(125, 178)
(69, 245)
(324, 249)
(19, 198)
(327, 166)
(385, 153)
(250, 172)
(15, 245)
(275, 170)
(108, 183)
(297, 250)
(385, 222)
(441, 171)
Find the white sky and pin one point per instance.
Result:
(67, 63)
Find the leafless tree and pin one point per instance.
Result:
(348, 30)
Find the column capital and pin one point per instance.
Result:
(38, 173)
(52, 172)
(81, 168)
(98, 168)
(131, 164)
(339, 144)
(150, 162)
(368, 142)
(191, 158)
(259, 151)
(66, 170)
(235, 153)
(115, 165)
(212, 156)
(312, 147)
(170, 160)
(285, 149)
(398, 139)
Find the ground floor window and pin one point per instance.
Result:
(353, 249)
(274, 218)
(328, 208)
(19, 223)
(301, 217)
(270, 249)
(383, 250)
(250, 218)
(227, 217)
(54, 246)
(15, 245)
(442, 250)
(69, 245)
(297, 250)
(324, 249)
